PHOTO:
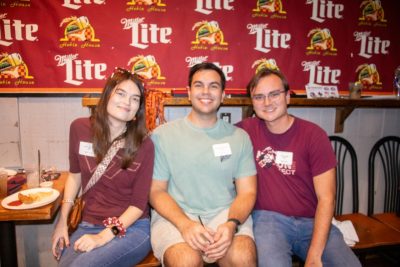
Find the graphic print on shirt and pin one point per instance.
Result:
(281, 159)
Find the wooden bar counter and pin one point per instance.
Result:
(344, 106)
(8, 248)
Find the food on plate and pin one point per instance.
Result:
(34, 197)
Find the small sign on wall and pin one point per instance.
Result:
(322, 91)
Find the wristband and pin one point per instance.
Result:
(236, 222)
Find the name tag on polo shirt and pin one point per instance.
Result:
(283, 157)
(221, 150)
(86, 149)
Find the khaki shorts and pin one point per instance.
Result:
(164, 234)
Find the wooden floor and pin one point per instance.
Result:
(382, 261)
(390, 260)
(376, 261)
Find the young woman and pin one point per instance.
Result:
(115, 228)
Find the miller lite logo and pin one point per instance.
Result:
(267, 39)
(264, 63)
(146, 67)
(320, 75)
(371, 45)
(206, 7)
(16, 30)
(195, 60)
(77, 4)
(226, 69)
(325, 9)
(77, 71)
(144, 34)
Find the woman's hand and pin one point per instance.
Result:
(88, 242)
(60, 239)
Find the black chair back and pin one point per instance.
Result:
(385, 154)
(345, 155)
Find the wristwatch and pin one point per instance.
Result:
(236, 222)
(115, 230)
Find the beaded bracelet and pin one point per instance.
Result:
(67, 201)
(114, 221)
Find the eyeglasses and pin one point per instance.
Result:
(271, 96)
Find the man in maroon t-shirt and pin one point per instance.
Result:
(296, 182)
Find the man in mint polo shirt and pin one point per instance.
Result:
(204, 183)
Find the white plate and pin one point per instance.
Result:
(23, 206)
(9, 171)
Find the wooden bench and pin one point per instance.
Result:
(149, 261)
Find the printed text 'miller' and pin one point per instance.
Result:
(16, 30)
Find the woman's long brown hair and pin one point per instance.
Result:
(136, 130)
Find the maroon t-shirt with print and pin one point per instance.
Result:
(117, 189)
(286, 164)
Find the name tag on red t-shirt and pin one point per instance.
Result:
(86, 149)
(283, 157)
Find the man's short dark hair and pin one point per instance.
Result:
(264, 73)
(207, 66)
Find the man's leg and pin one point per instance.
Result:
(272, 233)
(168, 245)
(242, 252)
(182, 254)
(336, 252)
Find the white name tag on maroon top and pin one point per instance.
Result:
(86, 149)
(222, 150)
(283, 157)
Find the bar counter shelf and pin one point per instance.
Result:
(344, 106)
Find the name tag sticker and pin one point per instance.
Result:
(283, 157)
(222, 149)
(86, 149)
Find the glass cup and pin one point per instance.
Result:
(3, 184)
(32, 178)
(355, 90)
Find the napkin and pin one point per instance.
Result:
(349, 232)
(15, 182)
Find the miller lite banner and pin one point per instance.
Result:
(72, 46)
